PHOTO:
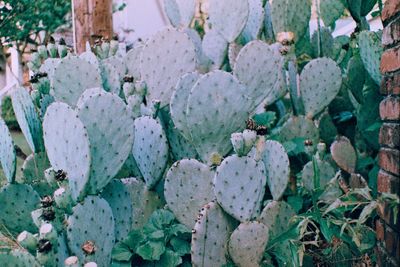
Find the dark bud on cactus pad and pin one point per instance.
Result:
(89, 247)
(128, 79)
(47, 201)
(253, 126)
(308, 142)
(60, 175)
(48, 214)
(44, 246)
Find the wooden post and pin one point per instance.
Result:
(92, 19)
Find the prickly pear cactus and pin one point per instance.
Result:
(255, 21)
(331, 10)
(180, 12)
(325, 173)
(18, 258)
(299, 127)
(72, 77)
(150, 149)
(210, 236)
(188, 187)
(258, 67)
(8, 157)
(211, 117)
(215, 47)
(27, 118)
(179, 101)
(165, 58)
(33, 173)
(132, 61)
(228, 17)
(239, 186)
(247, 244)
(320, 82)
(86, 228)
(67, 145)
(276, 216)
(18, 201)
(371, 50)
(344, 154)
(109, 125)
(277, 168)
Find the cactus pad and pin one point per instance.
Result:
(371, 51)
(18, 201)
(132, 61)
(276, 216)
(247, 244)
(33, 173)
(299, 127)
(8, 158)
(67, 145)
(27, 118)
(320, 82)
(18, 258)
(72, 77)
(165, 58)
(110, 129)
(277, 168)
(210, 236)
(188, 187)
(85, 225)
(180, 12)
(255, 22)
(240, 186)
(326, 173)
(344, 154)
(215, 47)
(228, 17)
(211, 117)
(150, 149)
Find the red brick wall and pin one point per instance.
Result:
(388, 233)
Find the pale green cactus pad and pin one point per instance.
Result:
(18, 201)
(299, 127)
(8, 158)
(255, 21)
(371, 50)
(109, 126)
(233, 52)
(215, 47)
(228, 17)
(331, 10)
(49, 66)
(258, 67)
(188, 187)
(150, 149)
(210, 236)
(277, 168)
(344, 154)
(72, 77)
(179, 102)
(239, 186)
(211, 117)
(132, 61)
(180, 12)
(247, 244)
(88, 94)
(276, 216)
(165, 58)
(33, 173)
(85, 225)
(325, 173)
(320, 82)
(67, 145)
(18, 258)
(27, 118)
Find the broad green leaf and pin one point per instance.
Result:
(180, 246)
(266, 119)
(151, 250)
(169, 259)
(121, 252)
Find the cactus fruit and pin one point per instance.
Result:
(188, 187)
(319, 93)
(210, 236)
(119, 198)
(86, 228)
(67, 145)
(247, 244)
(258, 67)
(277, 168)
(109, 125)
(228, 17)
(180, 12)
(255, 21)
(18, 201)
(28, 119)
(8, 157)
(215, 47)
(211, 127)
(239, 186)
(344, 154)
(371, 50)
(165, 58)
(150, 149)
(72, 77)
(243, 142)
(179, 101)
(276, 216)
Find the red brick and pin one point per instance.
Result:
(388, 183)
(390, 61)
(386, 213)
(391, 240)
(391, 33)
(380, 230)
(391, 9)
(389, 160)
(391, 84)
(389, 135)
(389, 108)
